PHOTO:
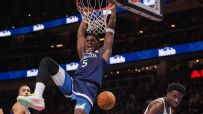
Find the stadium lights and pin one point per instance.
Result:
(173, 25)
(141, 31)
(111, 72)
(129, 70)
(59, 45)
(52, 46)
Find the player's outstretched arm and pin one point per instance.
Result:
(81, 39)
(109, 36)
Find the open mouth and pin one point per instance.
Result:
(90, 47)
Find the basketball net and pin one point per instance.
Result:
(94, 13)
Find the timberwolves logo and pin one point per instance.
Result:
(89, 55)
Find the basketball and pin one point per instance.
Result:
(106, 100)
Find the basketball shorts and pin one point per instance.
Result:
(83, 92)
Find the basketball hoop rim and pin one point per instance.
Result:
(109, 7)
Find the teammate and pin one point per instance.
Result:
(84, 86)
(172, 99)
(18, 108)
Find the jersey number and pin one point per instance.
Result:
(84, 63)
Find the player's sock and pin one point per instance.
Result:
(39, 89)
(47, 67)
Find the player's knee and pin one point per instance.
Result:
(79, 111)
(46, 60)
(50, 64)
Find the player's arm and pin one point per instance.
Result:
(155, 107)
(81, 39)
(18, 108)
(109, 36)
(1, 111)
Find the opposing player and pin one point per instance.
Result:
(172, 99)
(84, 86)
(1, 111)
(18, 108)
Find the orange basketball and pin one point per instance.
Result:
(106, 100)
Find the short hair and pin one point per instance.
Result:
(176, 86)
(22, 86)
(91, 34)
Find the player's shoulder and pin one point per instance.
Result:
(157, 103)
(154, 107)
(18, 106)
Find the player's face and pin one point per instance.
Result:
(91, 43)
(174, 98)
(24, 91)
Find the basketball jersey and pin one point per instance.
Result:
(91, 68)
(161, 100)
(27, 110)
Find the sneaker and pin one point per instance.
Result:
(32, 101)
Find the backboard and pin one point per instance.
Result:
(148, 8)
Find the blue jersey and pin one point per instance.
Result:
(91, 68)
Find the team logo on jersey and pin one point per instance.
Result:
(89, 55)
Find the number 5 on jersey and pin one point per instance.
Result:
(84, 63)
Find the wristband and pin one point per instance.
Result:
(110, 30)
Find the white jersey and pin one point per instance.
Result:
(28, 111)
(161, 100)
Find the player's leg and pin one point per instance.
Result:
(63, 81)
(82, 106)
(47, 67)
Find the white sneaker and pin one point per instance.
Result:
(32, 101)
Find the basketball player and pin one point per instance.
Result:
(1, 111)
(84, 86)
(172, 99)
(18, 108)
